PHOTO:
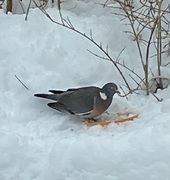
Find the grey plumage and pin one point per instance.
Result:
(88, 102)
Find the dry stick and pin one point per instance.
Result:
(147, 57)
(144, 26)
(125, 95)
(104, 5)
(104, 58)
(59, 9)
(88, 38)
(167, 64)
(160, 100)
(158, 18)
(138, 84)
(159, 43)
(21, 82)
(117, 59)
(26, 17)
(9, 6)
(135, 34)
(22, 7)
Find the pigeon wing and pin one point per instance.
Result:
(80, 101)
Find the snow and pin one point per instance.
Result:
(38, 143)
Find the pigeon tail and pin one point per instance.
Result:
(48, 96)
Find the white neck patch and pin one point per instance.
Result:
(103, 95)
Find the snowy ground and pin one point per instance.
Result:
(38, 143)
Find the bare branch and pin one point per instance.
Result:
(21, 82)
(26, 17)
(120, 54)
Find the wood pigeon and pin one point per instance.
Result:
(87, 102)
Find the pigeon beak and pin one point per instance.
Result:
(118, 92)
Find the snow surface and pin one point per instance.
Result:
(38, 143)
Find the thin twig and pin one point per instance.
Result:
(21, 82)
(26, 17)
(160, 100)
(147, 57)
(120, 54)
(125, 94)
(117, 62)
(59, 9)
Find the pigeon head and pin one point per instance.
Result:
(110, 89)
